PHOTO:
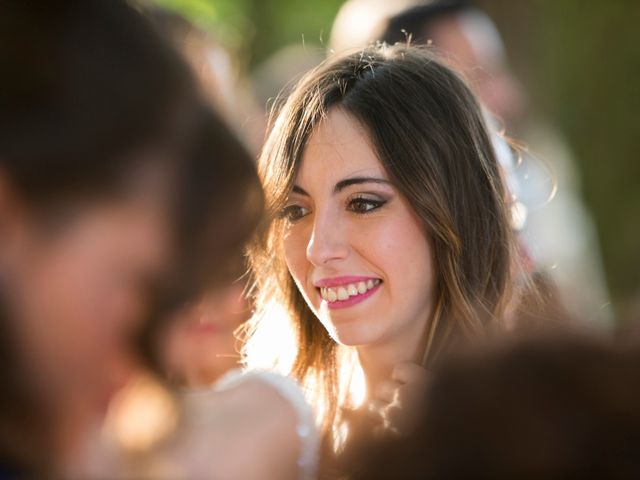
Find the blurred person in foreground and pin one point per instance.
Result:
(551, 406)
(122, 196)
(556, 229)
(200, 345)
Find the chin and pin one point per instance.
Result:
(354, 335)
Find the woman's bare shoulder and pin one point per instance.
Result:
(251, 428)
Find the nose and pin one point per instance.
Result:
(328, 241)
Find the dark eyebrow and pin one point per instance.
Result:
(342, 184)
(300, 190)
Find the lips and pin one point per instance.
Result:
(204, 328)
(346, 291)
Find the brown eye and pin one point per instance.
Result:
(363, 205)
(293, 213)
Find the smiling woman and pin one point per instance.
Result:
(389, 235)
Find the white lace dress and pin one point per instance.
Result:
(288, 389)
(198, 408)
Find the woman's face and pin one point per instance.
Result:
(77, 286)
(200, 343)
(355, 248)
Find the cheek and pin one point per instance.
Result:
(403, 253)
(88, 286)
(136, 253)
(79, 295)
(61, 316)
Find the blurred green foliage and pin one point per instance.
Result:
(257, 28)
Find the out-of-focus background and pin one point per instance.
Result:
(579, 63)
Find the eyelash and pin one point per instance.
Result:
(293, 212)
(361, 200)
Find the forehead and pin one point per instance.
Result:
(338, 148)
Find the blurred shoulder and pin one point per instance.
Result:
(253, 424)
(261, 395)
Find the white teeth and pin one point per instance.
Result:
(350, 290)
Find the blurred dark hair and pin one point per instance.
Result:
(88, 91)
(414, 21)
(556, 407)
(84, 84)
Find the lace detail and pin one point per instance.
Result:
(290, 391)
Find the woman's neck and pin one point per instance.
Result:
(379, 360)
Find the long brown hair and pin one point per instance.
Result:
(428, 132)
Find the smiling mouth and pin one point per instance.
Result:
(342, 293)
